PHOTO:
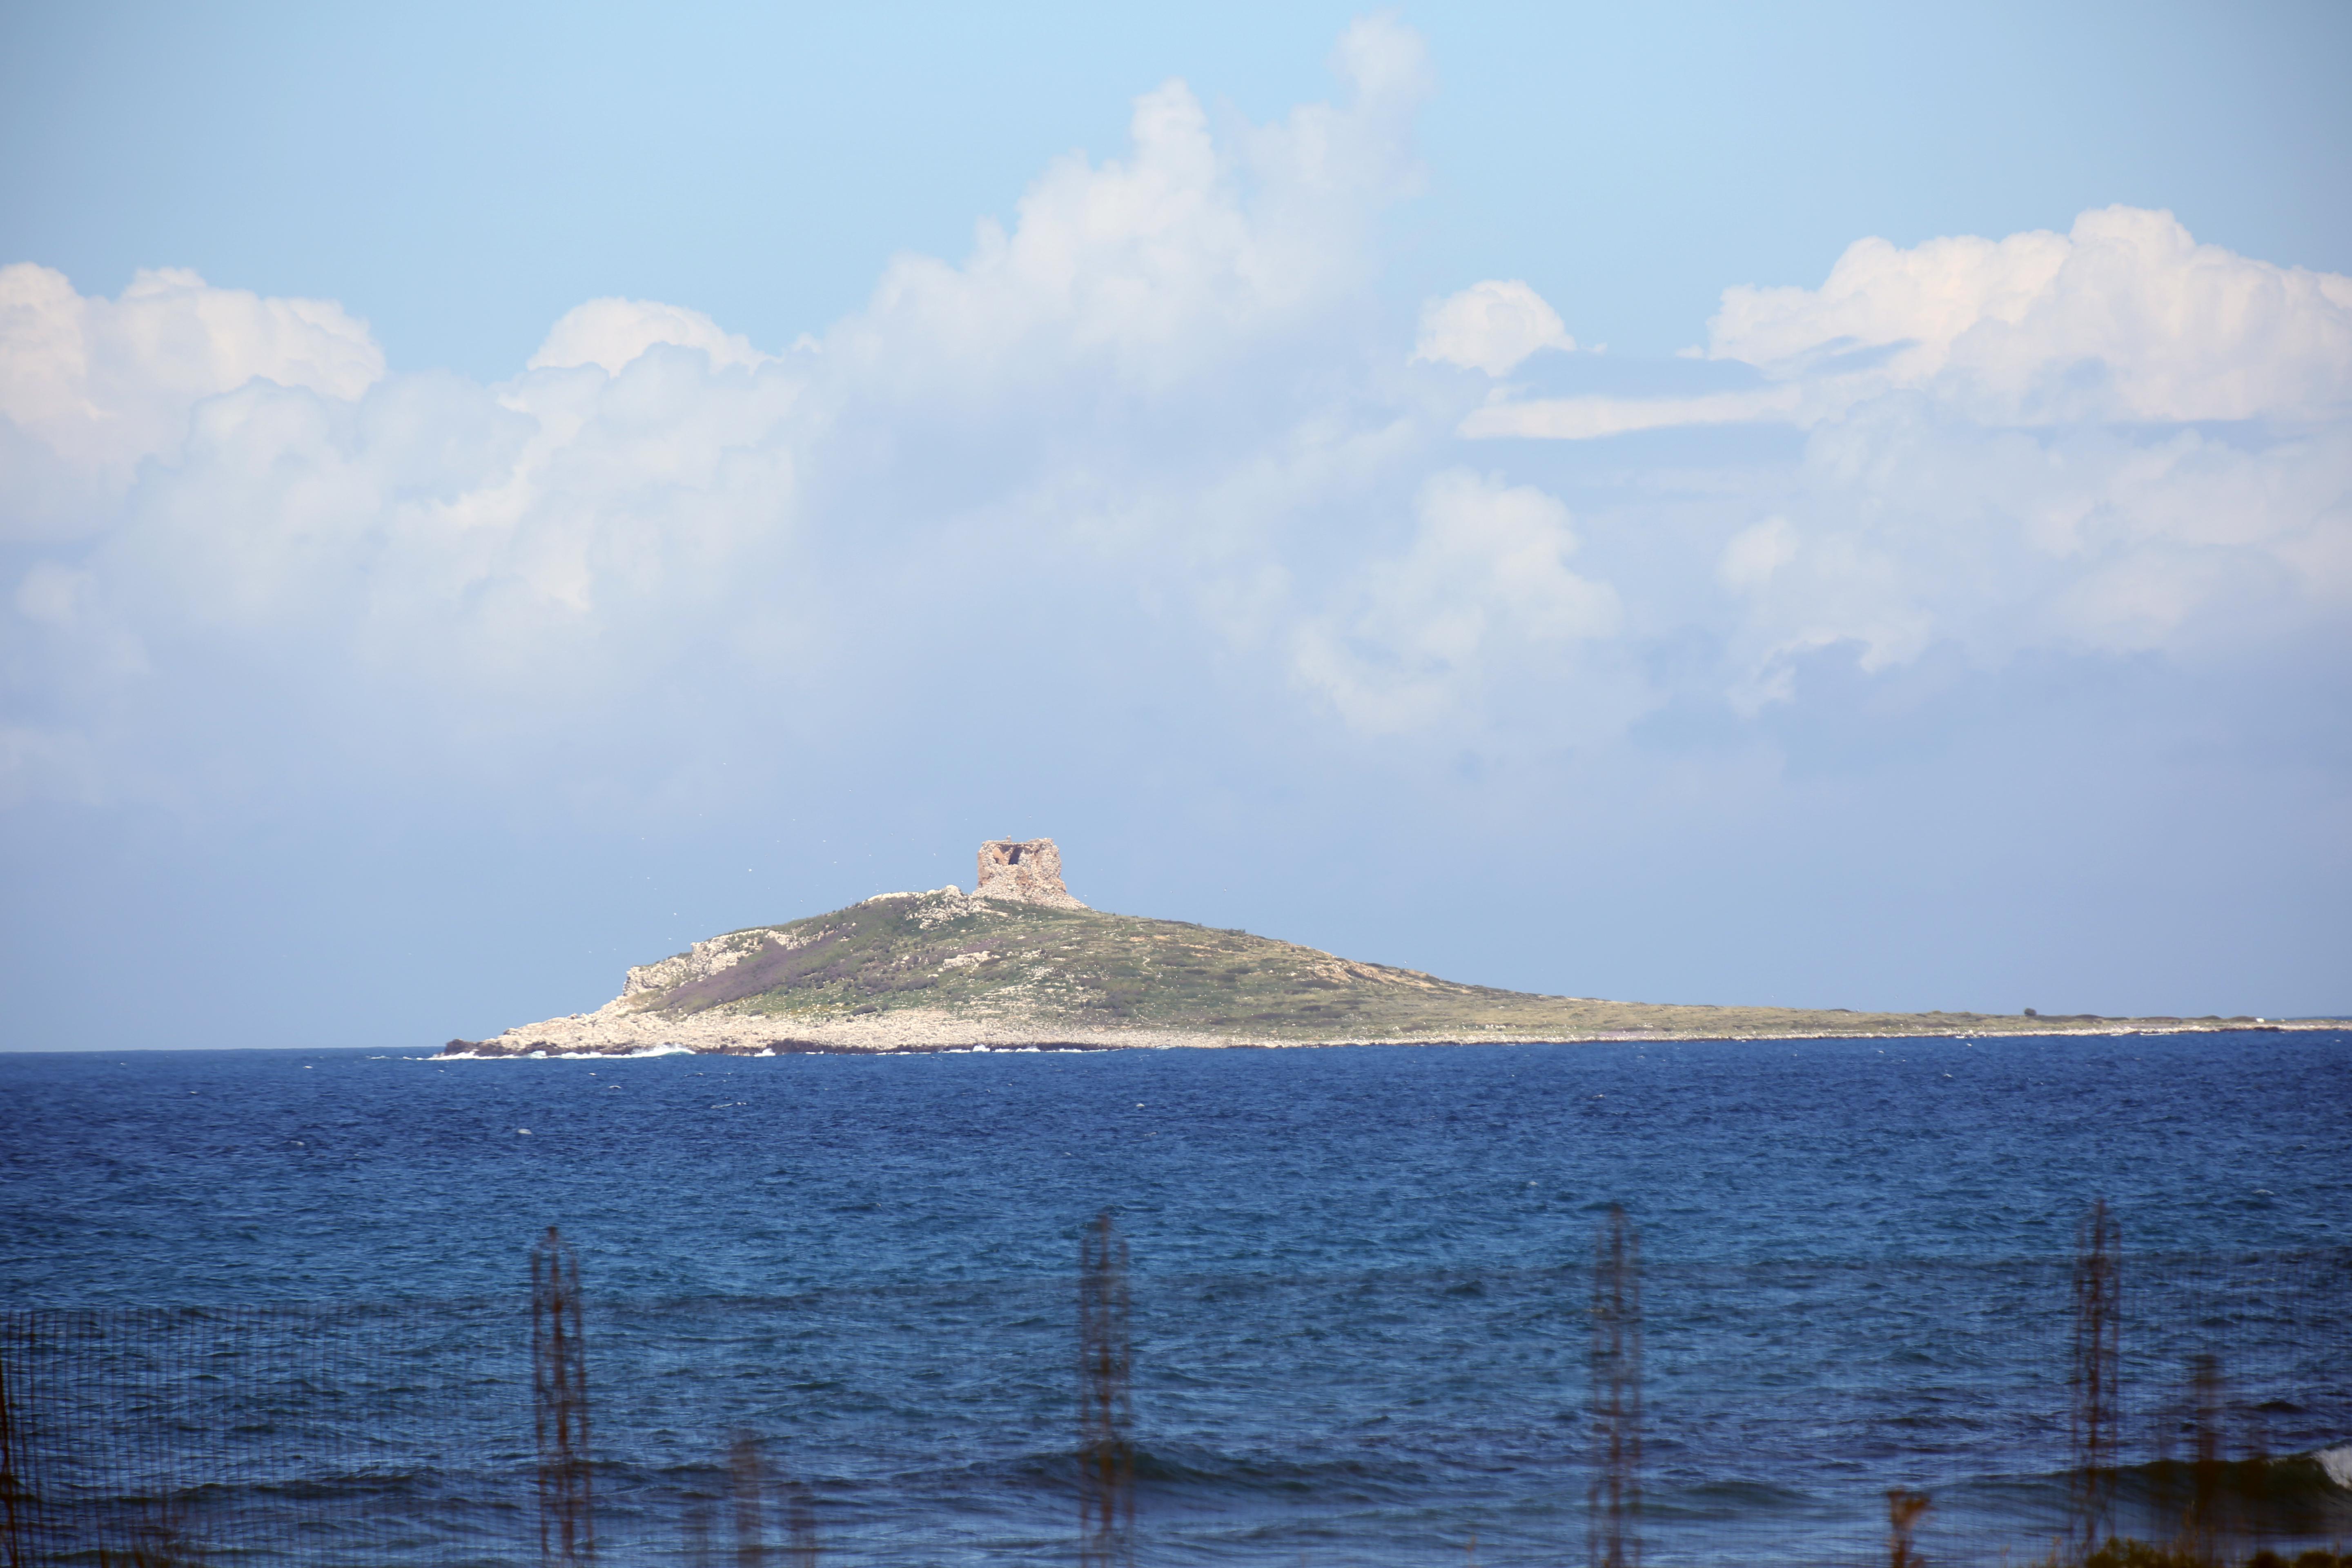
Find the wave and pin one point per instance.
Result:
(2321, 1476)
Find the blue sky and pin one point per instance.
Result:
(1835, 507)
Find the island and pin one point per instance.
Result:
(1018, 962)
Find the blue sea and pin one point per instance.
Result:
(281, 1300)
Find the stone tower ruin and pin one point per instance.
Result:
(1027, 870)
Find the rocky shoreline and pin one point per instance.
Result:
(751, 1037)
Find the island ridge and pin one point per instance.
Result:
(1019, 962)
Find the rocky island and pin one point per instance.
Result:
(1019, 962)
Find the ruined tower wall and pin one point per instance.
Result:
(1027, 870)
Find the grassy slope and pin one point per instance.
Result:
(1082, 968)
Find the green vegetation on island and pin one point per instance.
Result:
(1021, 962)
(1004, 958)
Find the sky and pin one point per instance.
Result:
(1836, 505)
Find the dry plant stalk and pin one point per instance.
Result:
(567, 1530)
(2094, 1425)
(1903, 1511)
(1613, 1530)
(1106, 1411)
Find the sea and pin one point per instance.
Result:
(1704, 1302)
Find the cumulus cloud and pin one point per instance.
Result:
(89, 386)
(1489, 326)
(2009, 445)
(1161, 266)
(1902, 531)
(1132, 373)
(1480, 595)
(609, 333)
(1162, 400)
(2124, 319)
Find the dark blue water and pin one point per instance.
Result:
(1360, 1280)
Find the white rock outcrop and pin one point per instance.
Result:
(709, 956)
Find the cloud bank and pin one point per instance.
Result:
(1160, 450)
(1163, 385)
(2114, 440)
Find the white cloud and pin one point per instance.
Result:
(1489, 326)
(2002, 453)
(1480, 595)
(1902, 531)
(1130, 380)
(612, 333)
(1160, 401)
(1163, 265)
(1590, 417)
(89, 386)
(1755, 554)
(2125, 320)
